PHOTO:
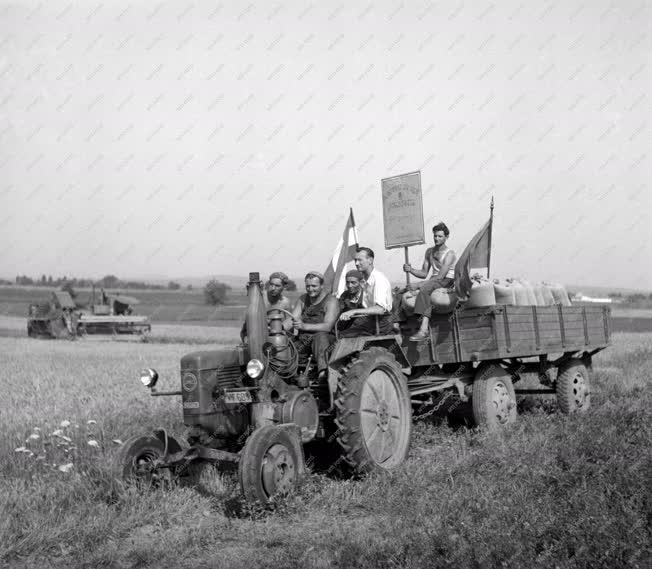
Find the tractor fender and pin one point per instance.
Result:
(345, 347)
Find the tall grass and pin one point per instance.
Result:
(553, 491)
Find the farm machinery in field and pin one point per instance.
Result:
(256, 405)
(60, 317)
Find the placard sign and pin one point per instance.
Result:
(403, 210)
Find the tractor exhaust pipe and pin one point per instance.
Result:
(256, 317)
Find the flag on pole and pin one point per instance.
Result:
(334, 275)
(476, 258)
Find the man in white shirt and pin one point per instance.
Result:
(376, 300)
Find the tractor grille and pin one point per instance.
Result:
(229, 376)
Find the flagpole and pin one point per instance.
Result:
(491, 227)
(407, 262)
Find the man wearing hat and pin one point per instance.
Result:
(274, 297)
(315, 314)
(351, 298)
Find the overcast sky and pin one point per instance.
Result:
(189, 138)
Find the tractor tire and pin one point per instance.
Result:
(573, 387)
(133, 461)
(373, 413)
(269, 465)
(493, 398)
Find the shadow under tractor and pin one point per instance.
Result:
(254, 406)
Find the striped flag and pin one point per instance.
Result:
(342, 261)
(475, 258)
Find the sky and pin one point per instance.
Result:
(192, 138)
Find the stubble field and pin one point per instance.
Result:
(550, 491)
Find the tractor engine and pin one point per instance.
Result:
(205, 376)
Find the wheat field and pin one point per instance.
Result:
(550, 491)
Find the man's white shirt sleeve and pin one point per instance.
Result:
(378, 291)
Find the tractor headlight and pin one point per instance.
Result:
(149, 377)
(255, 368)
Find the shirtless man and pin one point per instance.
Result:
(273, 297)
(441, 260)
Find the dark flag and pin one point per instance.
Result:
(475, 258)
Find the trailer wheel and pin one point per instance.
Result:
(493, 399)
(135, 459)
(269, 465)
(373, 412)
(573, 387)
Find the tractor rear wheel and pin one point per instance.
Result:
(493, 398)
(136, 458)
(373, 412)
(270, 465)
(573, 387)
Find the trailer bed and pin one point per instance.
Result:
(503, 332)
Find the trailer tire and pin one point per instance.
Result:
(493, 398)
(370, 414)
(269, 465)
(573, 387)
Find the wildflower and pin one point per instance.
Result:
(117, 441)
(64, 424)
(40, 457)
(67, 439)
(91, 422)
(65, 467)
(20, 449)
(36, 429)
(57, 433)
(33, 437)
(93, 443)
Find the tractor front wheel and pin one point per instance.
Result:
(270, 464)
(373, 412)
(136, 460)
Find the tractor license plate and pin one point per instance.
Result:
(237, 397)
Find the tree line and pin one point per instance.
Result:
(108, 281)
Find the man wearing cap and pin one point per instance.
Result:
(274, 297)
(351, 298)
(314, 316)
(376, 300)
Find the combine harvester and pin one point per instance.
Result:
(62, 318)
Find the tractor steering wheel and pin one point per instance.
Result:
(280, 310)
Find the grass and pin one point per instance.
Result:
(551, 491)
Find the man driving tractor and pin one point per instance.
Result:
(274, 297)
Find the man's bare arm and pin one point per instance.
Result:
(296, 314)
(425, 268)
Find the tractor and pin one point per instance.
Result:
(256, 405)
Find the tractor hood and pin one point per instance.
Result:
(214, 359)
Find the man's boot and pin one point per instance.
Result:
(424, 331)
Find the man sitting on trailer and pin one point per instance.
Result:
(441, 260)
(315, 314)
(274, 297)
(376, 300)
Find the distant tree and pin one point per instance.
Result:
(67, 287)
(189, 287)
(291, 285)
(109, 281)
(44, 280)
(50, 280)
(173, 286)
(215, 292)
